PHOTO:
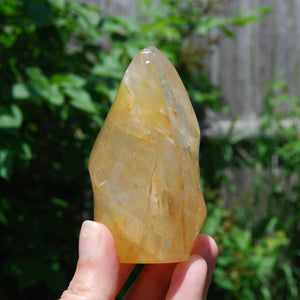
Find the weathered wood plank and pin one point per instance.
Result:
(113, 7)
(243, 67)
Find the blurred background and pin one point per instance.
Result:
(61, 63)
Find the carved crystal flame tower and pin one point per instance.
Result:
(144, 165)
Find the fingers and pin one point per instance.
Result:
(206, 247)
(188, 280)
(191, 280)
(98, 267)
(152, 283)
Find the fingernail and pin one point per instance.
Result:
(89, 240)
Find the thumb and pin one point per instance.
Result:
(98, 267)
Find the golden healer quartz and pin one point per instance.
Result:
(144, 165)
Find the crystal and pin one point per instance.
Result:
(144, 165)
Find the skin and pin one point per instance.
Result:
(99, 274)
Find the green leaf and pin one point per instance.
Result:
(109, 68)
(121, 25)
(81, 100)
(8, 36)
(9, 7)
(98, 120)
(253, 17)
(53, 95)
(36, 74)
(242, 239)
(59, 4)
(87, 19)
(229, 33)
(202, 98)
(68, 80)
(245, 20)
(110, 93)
(43, 87)
(214, 220)
(10, 117)
(223, 280)
(3, 218)
(25, 153)
(60, 202)
(5, 163)
(207, 24)
(291, 281)
(20, 91)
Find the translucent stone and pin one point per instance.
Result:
(144, 165)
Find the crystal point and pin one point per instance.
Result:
(144, 165)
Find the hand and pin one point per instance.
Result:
(99, 275)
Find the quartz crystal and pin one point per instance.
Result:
(144, 165)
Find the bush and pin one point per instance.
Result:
(258, 237)
(49, 116)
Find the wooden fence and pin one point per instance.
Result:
(244, 66)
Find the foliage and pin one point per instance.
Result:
(49, 116)
(59, 73)
(259, 237)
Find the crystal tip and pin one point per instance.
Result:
(148, 50)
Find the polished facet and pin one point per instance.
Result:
(144, 165)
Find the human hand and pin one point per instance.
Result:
(99, 274)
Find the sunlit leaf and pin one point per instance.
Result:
(10, 117)
(20, 91)
(81, 100)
